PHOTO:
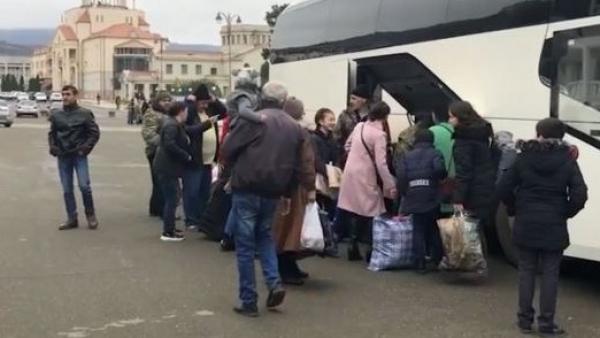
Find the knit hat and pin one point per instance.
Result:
(294, 108)
(362, 91)
(201, 93)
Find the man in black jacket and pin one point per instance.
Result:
(265, 159)
(203, 112)
(72, 137)
(543, 189)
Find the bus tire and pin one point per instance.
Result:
(504, 226)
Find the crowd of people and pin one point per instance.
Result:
(270, 164)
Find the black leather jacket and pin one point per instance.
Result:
(73, 131)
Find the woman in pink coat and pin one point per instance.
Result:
(361, 195)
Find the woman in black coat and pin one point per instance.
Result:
(173, 154)
(475, 160)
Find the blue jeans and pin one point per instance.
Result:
(205, 185)
(168, 185)
(192, 180)
(426, 236)
(66, 166)
(253, 216)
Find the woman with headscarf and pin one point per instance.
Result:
(287, 228)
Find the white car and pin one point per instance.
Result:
(40, 97)
(22, 97)
(6, 116)
(56, 96)
(28, 107)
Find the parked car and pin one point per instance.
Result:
(29, 108)
(22, 96)
(56, 96)
(6, 116)
(40, 97)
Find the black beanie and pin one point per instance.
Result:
(201, 93)
(362, 91)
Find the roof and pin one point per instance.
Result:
(143, 22)
(124, 31)
(191, 49)
(133, 44)
(85, 17)
(67, 32)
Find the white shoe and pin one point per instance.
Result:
(171, 237)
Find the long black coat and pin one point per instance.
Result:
(476, 167)
(419, 173)
(543, 189)
(174, 151)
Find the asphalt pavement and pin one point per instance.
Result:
(121, 281)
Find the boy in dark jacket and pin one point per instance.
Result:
(543, 189)
(419, 174)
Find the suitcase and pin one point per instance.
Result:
(212, 222)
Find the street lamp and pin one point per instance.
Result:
(229, 19)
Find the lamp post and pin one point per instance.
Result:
(229, 19)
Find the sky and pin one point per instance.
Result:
(183, 21)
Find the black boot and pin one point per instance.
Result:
(354, 252)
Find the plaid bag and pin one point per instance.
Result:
(392, 243)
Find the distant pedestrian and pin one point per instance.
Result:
(72, 137)
(152, 124)
(543, 189)
(118, 102)
(367, 179)
(264, 159)
(420, 172)
(98, 98)
(173, 154)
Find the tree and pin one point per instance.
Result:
(21, 83)
(35, 84)
(272, 15)
(186, 88)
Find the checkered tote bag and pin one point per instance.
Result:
(392, 244)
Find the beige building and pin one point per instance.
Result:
(107, 48)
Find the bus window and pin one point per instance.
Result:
(571, 61)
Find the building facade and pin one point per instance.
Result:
(106, 48)
(16, 61)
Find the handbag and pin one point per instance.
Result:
(311, 237)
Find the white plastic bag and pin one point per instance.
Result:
(311, 237)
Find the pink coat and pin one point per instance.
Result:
(359, 192)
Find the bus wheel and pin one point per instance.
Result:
(504, 226)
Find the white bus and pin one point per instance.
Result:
(517, 61)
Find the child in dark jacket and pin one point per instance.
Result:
(543, 189)
(419, 173)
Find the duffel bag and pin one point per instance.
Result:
(392, 243)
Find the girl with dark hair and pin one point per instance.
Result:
(474, 158)
(367, 179)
